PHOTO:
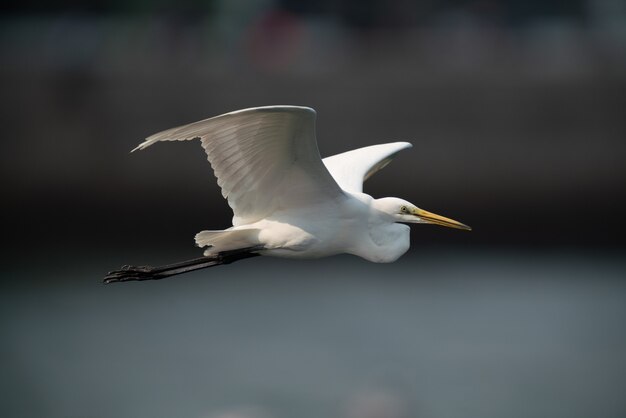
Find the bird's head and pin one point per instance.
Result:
(402, 211)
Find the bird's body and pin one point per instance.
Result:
(350, 225)
(287, 201)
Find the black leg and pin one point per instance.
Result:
(132, 273)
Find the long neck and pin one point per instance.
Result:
(384, 240)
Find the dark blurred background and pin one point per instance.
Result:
(517, 113)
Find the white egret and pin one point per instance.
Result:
(286, 200)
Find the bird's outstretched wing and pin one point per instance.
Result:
(264, 158)
(350, 169)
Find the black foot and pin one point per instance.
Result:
(128, 273)
(134, 273)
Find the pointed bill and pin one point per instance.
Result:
(433, 218)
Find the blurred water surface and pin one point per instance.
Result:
(437, 334)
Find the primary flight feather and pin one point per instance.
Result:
(286, 200)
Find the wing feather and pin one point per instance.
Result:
(264, 158)
(350, 169)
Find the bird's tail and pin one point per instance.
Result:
(227, 240)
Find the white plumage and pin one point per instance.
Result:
(351, 168)
(261, 157)
(286, 200)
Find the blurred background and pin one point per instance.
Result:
(517, 113)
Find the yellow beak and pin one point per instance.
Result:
(433, 218)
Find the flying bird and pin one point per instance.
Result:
(287, 201)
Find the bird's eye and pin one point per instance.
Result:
(403, 208)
